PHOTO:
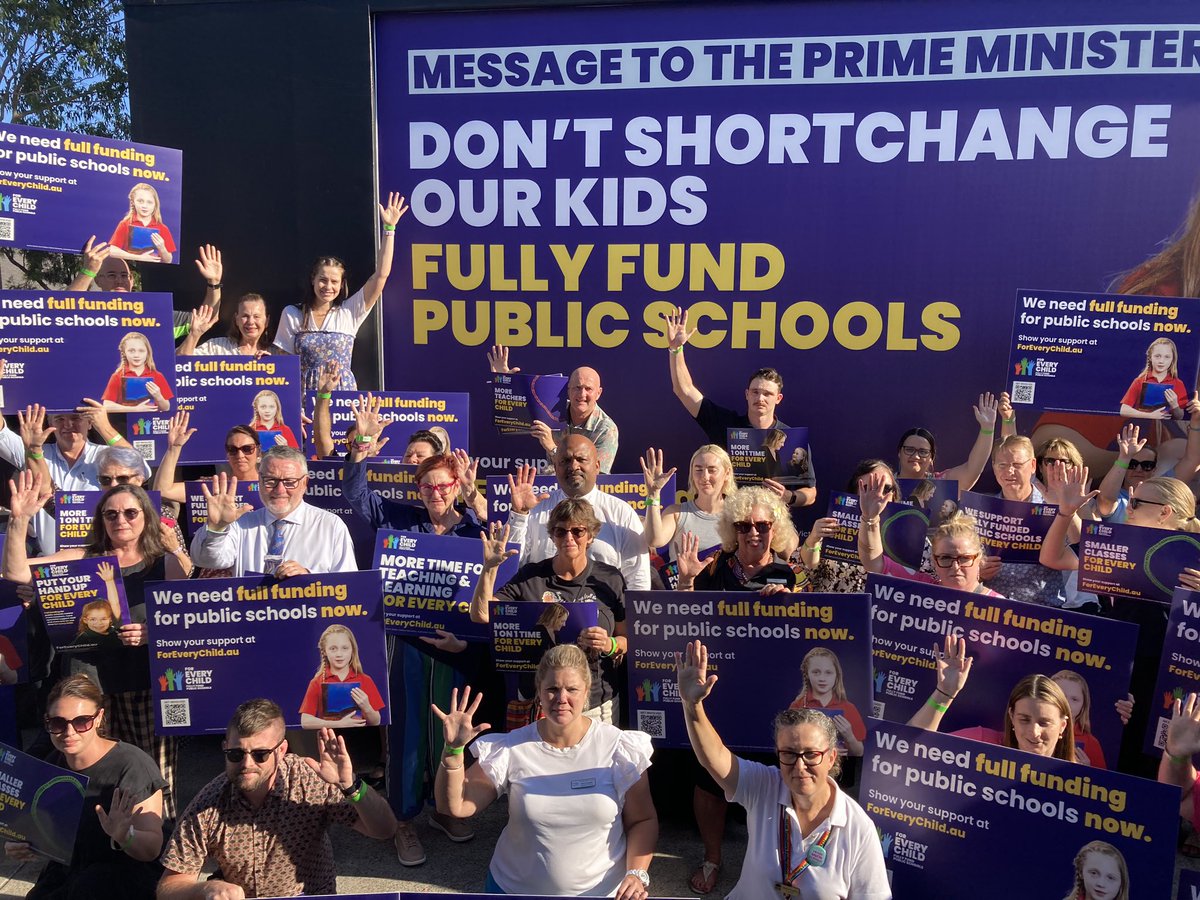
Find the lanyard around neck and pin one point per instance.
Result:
(815, 856)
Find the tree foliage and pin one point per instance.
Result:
(62, 66)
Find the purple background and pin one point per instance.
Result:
(342, 416)
(525, 615)
(1179, 550)
(903, 529)
(1183, 626)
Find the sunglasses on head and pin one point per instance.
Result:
(746, 527)
(131, 513)
(81, 724)
(260, 756)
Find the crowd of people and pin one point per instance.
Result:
(581, 818)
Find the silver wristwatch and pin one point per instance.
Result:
(641, 875)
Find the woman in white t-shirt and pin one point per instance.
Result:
(247, 332)
(805, 837)
(581, 822)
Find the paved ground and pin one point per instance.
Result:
(367, 866)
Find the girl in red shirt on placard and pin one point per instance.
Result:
(340, 665)
(1162, 369)
(268, 416)
(824, 690)
(142, 222)
(137, 361)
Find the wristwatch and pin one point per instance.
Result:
(354, 788)
(641, 875)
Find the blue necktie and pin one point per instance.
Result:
(276, 548)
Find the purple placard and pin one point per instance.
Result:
(408, 411)
(1131, 561)
(747, 635)
(215, 643)
(220, 392)
(630, 488)
(1011, 529)
(82, 610)
(1092, 352)
(946, 809)
(1008, 639)
(780, 454)
(197, 506)
(1189, 885)
(60, 347)
(428, 580)
(391, 481)
(902, 528)
(1178, 668)
(519, 400)
(40, 804)
(522, 632)
(936, 497)
(14, 634)
(58, 188)
(73, 513)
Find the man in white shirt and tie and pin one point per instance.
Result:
(285, 537)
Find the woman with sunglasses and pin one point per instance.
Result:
(125, 526)
(321, 329)
(956, 551)
(1136, 462)
(121, 828)
(241, 458)
(917, 450)
(805, 837)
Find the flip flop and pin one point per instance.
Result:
(704, 879)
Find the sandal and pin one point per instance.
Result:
(704, 879)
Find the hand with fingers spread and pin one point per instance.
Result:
(105, 572)
(677, 330)
(521, 492)
(117, 822)
(953, 666)
(498, 361)
(32, 426)
(690, 564)
(223, 506)
(467, 471)
(458, 726)
(985, 411)
(329, 377)
(394, 211)
(332, 765)
(209, 265)
(1073, 491)
(1183, 731)
(28, 493)
(652, 471)
(495, 546)
(94, 254)
(178, 432)
(1130, 442)
(873, 494)
(202, 321)
(691, 672)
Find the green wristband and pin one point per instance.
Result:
(88, 272)
(653, 501)
(675, 349)
(1012, 421)
(1121, 464)
(453, 751)
(321, 396)
(112, 440)
(1177, 760)
(387, 227)
(987, 430)
(933, 704)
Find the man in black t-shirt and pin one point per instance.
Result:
(763, 394)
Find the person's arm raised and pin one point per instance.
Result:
(1073, 493)
(390, 215)
(203, 319)
(657, 528)
(93, 258)
(681, 379)
(953, 668)
(211, 269)
(334, 767)
(1183, 743)
(1129, 443)
(327, 381)
(967, 474)
(695, 685)
(495, 552)
(871, 501)
(459, 791)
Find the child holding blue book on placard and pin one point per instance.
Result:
(136, 385)
(1157, 393)
(142, 234)
(268, 421)
(340, 695)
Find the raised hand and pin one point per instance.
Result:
(203, 319)
(117, 821)
(652, 471)
(104, 571)
(396, 207)
(1004, 407)
(209, 264)
(1073, 491)
(873, 494)
(953, 665)
(466, 469)
(495, 546)
(498, 361)
(332, 764)
(1183, 731)
(329, 378)
(223, 506)
(28, 494)
(94, 254)
(677, 330)
(96, 412)
(1130, 442)
(691, 672)
(458, 729)
(178, 432)
(521, 492)
(32, 424)
(690, 564)
(985, 411)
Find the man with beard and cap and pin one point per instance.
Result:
(265, 822)
(620, 542)
(584, 416)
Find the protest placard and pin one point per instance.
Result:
(40, 803)
(83, 603)
(314, 643)
(1132, 561)
(817, 647)
(522, 632)
(1178, 667)
(1008, 639)
(519, 400)
(780, 454)
(947, 809)
(14, 650)
(406, 411)
(74, 511)
(1011, 529)
(60, 188)
(630, 488)
(902, 528)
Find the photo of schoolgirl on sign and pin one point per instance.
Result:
(83, 603)
(1105, 353)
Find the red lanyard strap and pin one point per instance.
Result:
(785, 849)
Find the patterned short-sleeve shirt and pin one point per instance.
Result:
(281, 849)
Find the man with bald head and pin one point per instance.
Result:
(620, 542)
(583, 415)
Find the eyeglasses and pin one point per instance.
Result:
(1146, 465)
(1135, 502)
(918, 452)
(112, 515)
(1043, 460)
(81, 724)
(889, 489)
(1011, 466)
(443, 488)
(244, 449)
(288, 484)
(810, 757)
(110, 480)
(260, 756)
(746, 527)
(576, 532)
(946, 562)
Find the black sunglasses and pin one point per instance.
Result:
(1146, 465)
(110, 480)
(58, 725)
(130, 513)
(1135, 502)
(260, 756)
(760, 527)
(246, 449)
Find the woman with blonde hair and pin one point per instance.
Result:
(1157, 392)
(710, 481)
(757, 536)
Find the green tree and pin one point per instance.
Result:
(62, 66)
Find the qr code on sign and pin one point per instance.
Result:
(176, 713)
(877, 708)
(1160, 733)
(653, 722)
(146, 448)
(1022, 391)
(8, 229)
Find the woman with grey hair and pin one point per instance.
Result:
(806, 838)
